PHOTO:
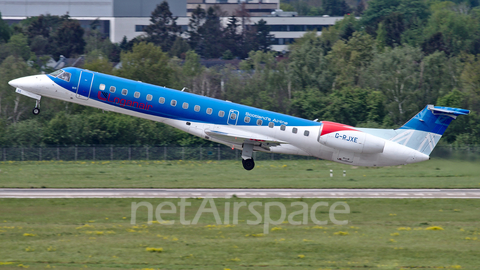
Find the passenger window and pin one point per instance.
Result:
(124, 92)
(246, 119)
(173, 102)
(196, 108)
(259, 122)
(271, 125)
(185, 105)
(112, 89)
(306, 133)
(221, 113)
(149, 97)
(136, 95)
(282, 127)
(101, 87)
(161, 100)
(209, 111)
(294, 130)
(233, 116)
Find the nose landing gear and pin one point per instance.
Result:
(36, 110)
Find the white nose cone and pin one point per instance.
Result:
(16, 83)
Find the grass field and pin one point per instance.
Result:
(436, 173)
(380, 234)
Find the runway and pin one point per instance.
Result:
(242, 193)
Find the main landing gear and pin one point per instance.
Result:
(36, 110)
(248, 164)
(247, 160)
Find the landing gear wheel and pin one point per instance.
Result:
(36, 111)
(248, 164)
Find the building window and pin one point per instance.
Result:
(140, 28)
(185, 105)
(282, 127)
(173, 102)
(306, 133)
(259, 122)
(209, 111)
(246, 119)
(124, 92)
(221, 113)
(136, 94)
(196, 108)
(112, 89)
(149, 97)
(294, 130)
(101, 87)
(161, 100)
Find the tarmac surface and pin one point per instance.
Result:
(241, 193)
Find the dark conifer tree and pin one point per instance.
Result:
(163, 29)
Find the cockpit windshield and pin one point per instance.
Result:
(62, 75)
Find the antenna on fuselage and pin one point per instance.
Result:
(184, 88)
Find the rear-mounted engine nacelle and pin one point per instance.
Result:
(353, 141)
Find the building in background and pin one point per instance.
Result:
(127, 18)
(254, 7)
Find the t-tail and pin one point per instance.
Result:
(425, 129)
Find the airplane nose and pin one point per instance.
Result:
(29, 83)
(16, 83)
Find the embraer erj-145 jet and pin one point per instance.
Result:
(243, 127)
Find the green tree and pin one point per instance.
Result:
(68, 40)
(335, 7)
(308, 66)
(13, 106)
(98, 61)
(263, 38)
(396, 73)
(196, 21)
(350, 59)
(179, 48)
(18, 47)
(146, 63)
(5, 31)
(210, 43)
(163, 29)
(232, 37)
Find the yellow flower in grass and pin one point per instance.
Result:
(434, 228)
(276, 229)
(341, 233)
(301, 256)
(151, 249)
(29, 249)
(29, 234)
(404, 229)
(392, 240)
(236, 259)
(394, 234)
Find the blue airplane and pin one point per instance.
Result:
(242, 127)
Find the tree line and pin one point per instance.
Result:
(376, 71)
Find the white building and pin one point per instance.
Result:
(119, 18)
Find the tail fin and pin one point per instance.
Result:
(425, 129)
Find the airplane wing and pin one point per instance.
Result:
(239, 137)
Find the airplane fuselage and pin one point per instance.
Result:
(232, 124)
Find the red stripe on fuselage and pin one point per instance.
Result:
(329, 127)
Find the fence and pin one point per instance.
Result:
(75, 153)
